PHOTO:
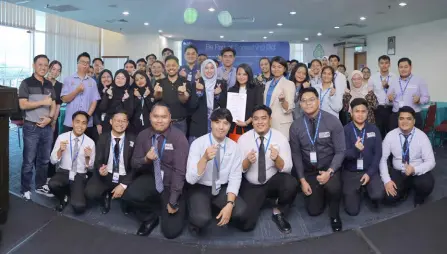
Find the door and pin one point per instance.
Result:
(359, 60)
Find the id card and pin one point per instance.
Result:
(313, 157)
(71, 175)
(103, 117)
(162, 174)
(141, 118)
(359, 164)
(189, 78)
(116, 177)
(401, 104)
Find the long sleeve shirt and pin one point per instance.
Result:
(230, 169)
(331, 104)
(371, 153)
(251, 141)
(404, 90)
(173, 158)
(421, 153)
(330, 144)
(375, 83)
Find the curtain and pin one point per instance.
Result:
(17, 16)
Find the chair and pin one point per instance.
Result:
(430, 119)
(442, 129)
(19, 124)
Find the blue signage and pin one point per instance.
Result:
(246, 52)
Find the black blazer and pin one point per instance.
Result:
(136, 126)
(255, 96)
(110, 106)
(199, 110)
(103, 151)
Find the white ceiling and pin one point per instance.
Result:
(312, 16)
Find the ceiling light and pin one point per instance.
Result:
(403, 4)
(319, 34)
(160, 31)
(221, 36)
(125, 13)
(292, 12)
(211, 9)
(306, 39)
(362, 18)
(270, 32)
(336, 27)
(169, 36)
(242, 40)
(279, 24)
(265, 37)
(146, 24)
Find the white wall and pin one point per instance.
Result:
(424, 44)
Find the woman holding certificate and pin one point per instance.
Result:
(279, 96)
(245, 83)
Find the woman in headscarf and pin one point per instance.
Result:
(359, 89)
(209, 93)
(300, 77)
(325, 61)
(117, 98)
(143, 101)
(105, 80)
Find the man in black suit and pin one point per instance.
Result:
(112, 171)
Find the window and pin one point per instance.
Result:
(296, 52)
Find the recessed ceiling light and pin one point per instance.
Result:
(125, 13)
(319, 34)
(279, 24)
(160, 31)
(270, 32)
(402, 4)
(146, 24)
(169, 36)
(292, 12)
(265, 37)
(306, 39)
(336, 27)
(221, 36)
(362, 18)
(211, 9)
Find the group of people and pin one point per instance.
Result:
(164, 143)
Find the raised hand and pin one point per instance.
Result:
(359, 145)
(183, 73)
(80, 88)
(158, 90)
(47, 101)
(110, 92)
(391, 97)
(281, 97)
(210, 153)
(332, 93)
(88, 152)
(103, 170)
(251, 156)
(416, 99)
(147, 92)
(152, 155)
(217, 90)
(199, 86)
(63, 145)
(273, 153)
(126, 95)
(198, 75)
(136, 93)
(182, 89)
(306, 84)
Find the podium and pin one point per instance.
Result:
(8, 105)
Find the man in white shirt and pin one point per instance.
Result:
(340, 84)
(113, 172)
(379, 83)
(413, 159)
(214, 170)
(74, 153)
(267, 166)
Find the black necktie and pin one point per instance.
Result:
(406, 158)
(261, 162)
(116, 152)
(312, 128)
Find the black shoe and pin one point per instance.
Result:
(282, 223)
(336, 224)
(125, 208)
(373, 205)
(195, 231)
(147, 227)
(62, 204)
(105, 207)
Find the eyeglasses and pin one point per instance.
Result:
(309, 101)
(83, 62)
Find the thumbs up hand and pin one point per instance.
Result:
(182, 89)
(158, 91)
(110, 92)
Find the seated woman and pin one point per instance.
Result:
(143, 101)
(359, 89)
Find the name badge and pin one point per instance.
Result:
(324, 134)
(401, 104)
(116, 177)
(169, 147)
(131, 143)
(141, 118)
(162, 174)
(71, 175)
(370, 134)
(313, 157)
(189, 78)
(103, 117)
(359, 164)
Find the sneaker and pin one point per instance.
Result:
(27, 195)
(44, 190)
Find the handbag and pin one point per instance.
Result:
(234, 136)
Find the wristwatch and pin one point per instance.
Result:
(332, 173)
(174, 206)
(230, 202)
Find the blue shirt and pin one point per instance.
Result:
(231, 76)
(272, 84)
(190, 73)
(372, 151)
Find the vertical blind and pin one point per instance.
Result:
(17, 16)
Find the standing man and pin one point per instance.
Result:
(202, 57)
(266, 166)
(150, 59)
(318, 149)
(227, 72)
(80, 92)
(380, 82)
(112, 172)
(191, 69)
(166, 52)
(159, 159)
(413, 160)
(362, 159)
(340, 84)
(98, 66)
(141, 64)
(175, 91)
(215, 171)
(409, 90)
(37, 100)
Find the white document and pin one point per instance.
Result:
(236, 103)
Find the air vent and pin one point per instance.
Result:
(354, 25)
(244, 20)
(117, 21)
(113, 6)
(62, 8)
(350, 36)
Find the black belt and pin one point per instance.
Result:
(178, 119)
(33, 123)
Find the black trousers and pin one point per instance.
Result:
(60, 185)
(90, 132)
(200, 202)
(352, 190)
(142, 198)
(51, 167)
(282, 187)
(394, 121)
(422, 186)
(382, 116)
(99, 185)
(331, 191)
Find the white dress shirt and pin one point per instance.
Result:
(375, 83)
(421, 153)
(340, 81)
(122, 168)
(331, 104)
(247, 143)
(65, 162)
(230, 171)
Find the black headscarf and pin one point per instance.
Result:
(118, 91)
(141, 89)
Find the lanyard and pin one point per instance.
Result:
(400, 84)
(274, 83)
(71, 149)
(116, 159)
(142, 102)
(322, 97)
(404, 153)
(225, 148)
(312, 141)
(387, 79)
(363, 133)
(160, 155)
(268, 142)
